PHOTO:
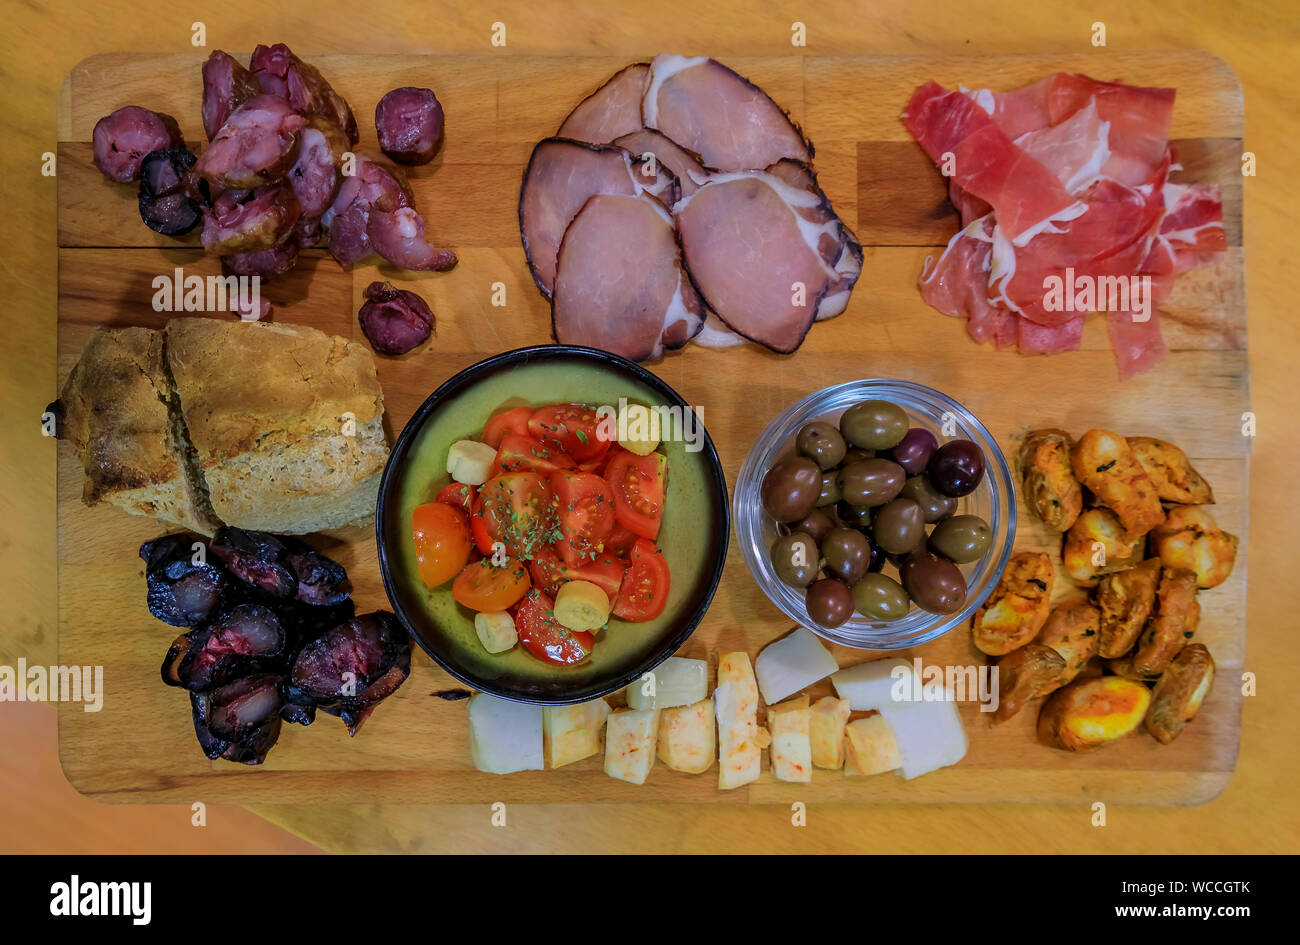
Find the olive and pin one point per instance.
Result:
(956, 468)
(822, 443)
(874, 424)
(830, 602)
(871, 482)
(899, 526)
(853, 454)
(880, 598)
(935, 506)
(915, 450)
(795, 558)
(847, 554)
(878, 559)
(816, 524)
(934, 583)
(854, 516)
(961, 538)
(830, 489)
(790, 489)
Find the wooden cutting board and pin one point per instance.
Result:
(141, 746)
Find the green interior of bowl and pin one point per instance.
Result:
(690, 538)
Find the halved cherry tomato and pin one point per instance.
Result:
(519, 510)
(458, 495)
(510, 421)
(549, 573)
(572, 428)
(483, 586)
(442, 544)
(638, 486)
(645, 586)
(544, 637)
(528, 453)
(618, 542)
(478, 529)
(585, 508)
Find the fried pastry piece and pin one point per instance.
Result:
(1050, 488)
(1177, 612)
(1104, 462)
(1190, 538)
(1070, 630)
(1024, 675)
(1015, 611)
(1125, 599)
(1090, 713)
(1097, 544)
(1178, 695)
(1174, 477)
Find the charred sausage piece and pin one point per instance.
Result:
(245, 221)
(394, 320)
(238, 709)
(166, 205)
(322, 581)
(282, 73)
(180, 592)
(409, 122)
(258, 143)
(353, 666)
(212, 746)
(237, 642)
(256, 558)
(122, 140)
(226, 86)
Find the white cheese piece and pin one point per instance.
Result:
(630, 736)
(687, 739)
(740, 739)
(572, 732)
(870, 747)
(790, 724)
(675, 682)
(504, 736)
(868, 686)
(792, 663)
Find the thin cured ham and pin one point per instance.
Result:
(619, 281)
(684, 166)
(613, 110)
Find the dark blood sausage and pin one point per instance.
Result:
(270, 263)
(241, 221)
(348, 217)
(226, 86)
(282, 73)
(236, 643)
(243, 717)
(258, 143)
(394, 321)
(352, 667)
(123, 139)
(180, 592)
(322, 581)
(165, 202)
(315, 174)
(409, 124)
(258, 559)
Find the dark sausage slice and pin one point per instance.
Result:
(258, 143)
(394, 321)
(409, 123)
(226, 86)
(123, 139)
(165, 204)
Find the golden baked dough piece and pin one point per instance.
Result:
(1175, 478)
(1104, 462)
(1125, 599)
(1050, 488)
(1072, 631)
(1178, 695)
(1097, 544)
(1090, 713)
(1190, 538)
(1024, 675)
(1015, 611)
(1173, 623)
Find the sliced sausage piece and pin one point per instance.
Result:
(755, 256)
(398, 236)
(315, 174)
(226, 86)
(373, 183)
(300, 84)
(122, 140)
(619, 282)
(561, 176)
(258, 143)
(240, 221)
(394, 321)
(679, 162)
(268, 264)
(612, 110)
(409, 124)
(728, 121)
(165, 204)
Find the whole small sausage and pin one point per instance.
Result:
(409, 124)
(394, 320)
(123, 139)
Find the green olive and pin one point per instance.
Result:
(899, 526)
(822, 443)
(935, 506)
(962, 538)
(830, 491)
(795, 559)
(880, 598)
(874, 425)
(871, 482)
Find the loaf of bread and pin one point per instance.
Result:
(271, 427)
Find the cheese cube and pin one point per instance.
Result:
(740, 738)
(790, 723)
(504, 736)
(673, 682)
(572, 732)
(630, 738)
(687, 740)
(870, 747)
(827, 732)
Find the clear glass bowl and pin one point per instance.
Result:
(993, 500)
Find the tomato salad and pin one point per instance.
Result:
(549, 523)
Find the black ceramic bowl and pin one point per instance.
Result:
(693, 537)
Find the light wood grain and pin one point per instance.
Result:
(414, 748)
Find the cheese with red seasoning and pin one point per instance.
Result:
(790, 723)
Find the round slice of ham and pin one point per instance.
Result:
(257, 144)
(226, 86)
(612, 110)
(619, 283)
(561, 176)
(728, 121)
(755, 257)
(123, 139)
(667, 155)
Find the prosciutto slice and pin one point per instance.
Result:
(728, 121)
(612, 110)
(258, 143)
(619, 281)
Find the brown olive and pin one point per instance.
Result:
(830, 602)
(847, 553)
(830, 489)
(853, 454)
(874, 424)
(871, 482)
(816, 524)
(822, 443)
(880, 598)
(935, 506)
(854, 516)
(795, 559)
(899, 526)
(791, 488)
(961, 538)
(934, 583)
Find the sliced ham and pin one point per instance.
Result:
(728, 121)
(122, 140)
(684, 166)
(258, 143)
(612, 110)
(619, 281)
(226, 86)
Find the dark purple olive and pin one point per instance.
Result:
(854, 516)
(830, 602)
(913, 452)
(934, 583)
(956, 468)
(816, 523)
(878, 558)
(791, 489)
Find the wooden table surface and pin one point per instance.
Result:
(1258, 811)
